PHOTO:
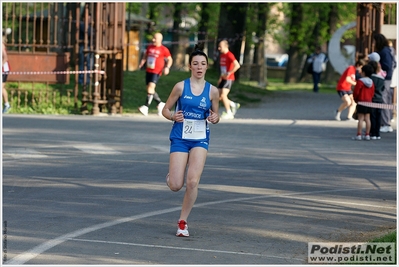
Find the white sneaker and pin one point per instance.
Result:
(386, 129)
(160, 108)
(167, 180)
(235, 107)
(367, 137)
(144, 110)
(6, 108)
(357, 138)
(182, 229)
(227, 116)
(337, 115)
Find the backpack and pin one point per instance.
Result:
(310, 68)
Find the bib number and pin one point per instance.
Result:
(223, 69)
(6, 67)
(194, 129)
(151, 62)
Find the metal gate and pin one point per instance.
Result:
(374, 18)
(103, 45)
(48, 39)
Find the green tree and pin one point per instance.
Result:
(232, 25)
(177, 48)
(133, 7)
(296, 43)
(332, 23)
(310, 24)
(263, 11)
(207, 23)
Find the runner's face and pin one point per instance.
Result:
(157, 39)
(198, 66)
(222, 47)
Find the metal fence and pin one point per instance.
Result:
(52, 43)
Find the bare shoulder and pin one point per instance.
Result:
(178, 88)
(214, 92)
(214, 89)
(179, 85)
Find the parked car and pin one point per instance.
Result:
(277, 60)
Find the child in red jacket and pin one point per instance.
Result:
(364, 92)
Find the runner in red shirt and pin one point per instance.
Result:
(344, 89)
(155, 56)
(228, 66)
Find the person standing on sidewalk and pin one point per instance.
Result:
(5, 69)
(192, 103)
(85, 57)
(375, 115)
(319, 61)
(228, 66)
(394, 82)
(364, 92)
(388, 64)
(394, 85)
(155, 56)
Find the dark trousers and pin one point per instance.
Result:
(88, 59)
(387, 99)
(316, 80)
(375, 118)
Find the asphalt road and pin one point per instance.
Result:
(91, 190)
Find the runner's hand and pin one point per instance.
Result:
(213, 117)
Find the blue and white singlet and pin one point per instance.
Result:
(195, 110)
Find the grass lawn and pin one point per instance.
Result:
(388, 238)
(245, 92)
(134, 93)
(391, 237)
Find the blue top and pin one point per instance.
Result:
(194, 108)
(386, 61)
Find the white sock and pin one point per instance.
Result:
(232, 104)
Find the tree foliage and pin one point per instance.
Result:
(318, 21)
(133, 7)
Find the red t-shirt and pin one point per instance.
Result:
(156, 56)
(342, 84)
(226, 64)
(364, 90)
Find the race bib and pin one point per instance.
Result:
(194, 129)
(6, 67)
(223, 69)
(151, 62)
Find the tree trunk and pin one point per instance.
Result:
(248, 56)
(332, 22)
(232, 27)
(263, 10)
(203, 26)
(292, 71)
(250, 43)
(178, 49)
